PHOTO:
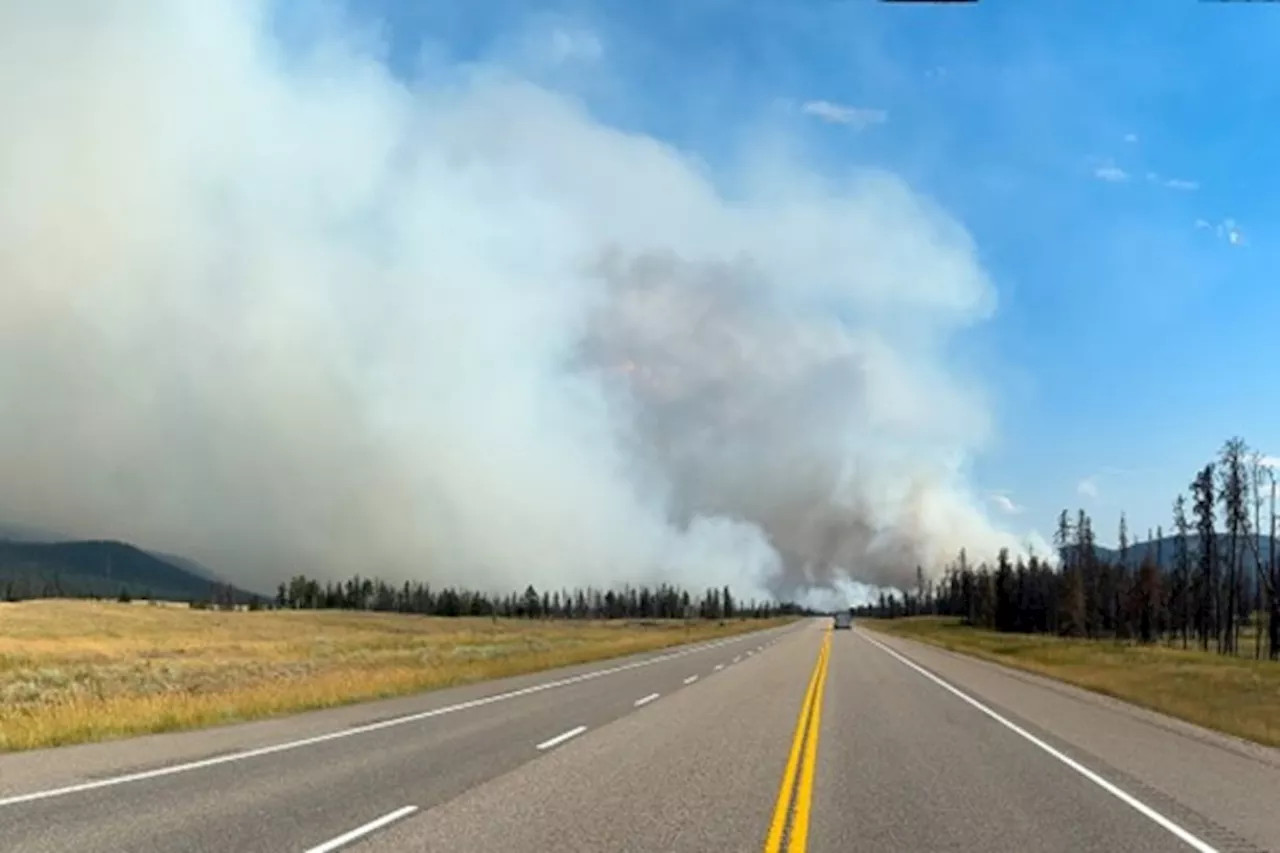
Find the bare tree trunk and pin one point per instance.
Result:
(1272, 582)
(1234, 497)
(1255, 482)
(1182, 561)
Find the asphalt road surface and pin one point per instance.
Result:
(795, 739)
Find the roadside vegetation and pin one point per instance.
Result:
(75, 671)
(1236, 695)
(1214, 584)
(1187, 624)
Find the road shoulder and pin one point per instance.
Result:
(1222, 787)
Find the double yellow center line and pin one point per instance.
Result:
(796, 793)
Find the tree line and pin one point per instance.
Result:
(1216, 580)
(38, 574)
(629, 602)
(371, 594)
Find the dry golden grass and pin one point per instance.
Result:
(73, 671)
(1235, 695)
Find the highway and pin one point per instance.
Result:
(799, 738)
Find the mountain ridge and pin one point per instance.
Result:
(1164, 549)
(105, 568)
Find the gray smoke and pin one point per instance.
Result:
(280, 310)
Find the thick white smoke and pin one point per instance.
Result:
(282, 311)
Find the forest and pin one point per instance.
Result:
(1212, 581)
(628, 602)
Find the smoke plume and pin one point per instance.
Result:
(279, 309)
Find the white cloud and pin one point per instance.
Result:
(842, 114)
(1005, 504)
(566, 45)
(1088, 487)
(1228, 229)
(1173, 183)
(547, 47)
(1111, 173)
(456, 327)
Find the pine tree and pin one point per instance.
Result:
(1117, 611)
(1182, 568)
(1204, 499)
(1234, 498)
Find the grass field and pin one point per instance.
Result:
(74, 671)
(1239, 696)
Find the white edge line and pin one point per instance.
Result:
(719, 667)
(172, 769)
(359, 831)
(691, 679)
(1123, 796)
(561, 738)
(646, 699)
(738, 658)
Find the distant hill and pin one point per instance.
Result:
(101, 568)
(187, 564)
(1164, 549)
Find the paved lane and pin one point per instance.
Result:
(905, 766)
(695, 772)
(1219, 788)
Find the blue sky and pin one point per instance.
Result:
(1102, 155)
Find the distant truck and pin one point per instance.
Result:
(844, 620)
